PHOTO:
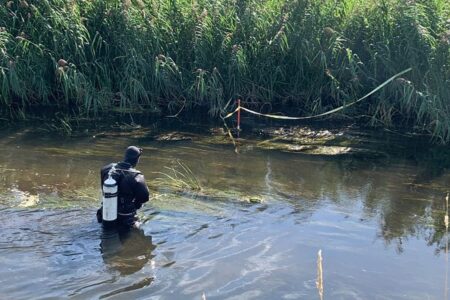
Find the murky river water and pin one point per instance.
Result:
(252, 233)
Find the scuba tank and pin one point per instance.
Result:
(110, 191)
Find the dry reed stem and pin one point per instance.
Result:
(446, 213)
(446, 248)
(319, 282)
(140, 4)
(126, 4)
(236, 149)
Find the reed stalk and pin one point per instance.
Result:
(446, 248)
(319, 282)
(299, 56)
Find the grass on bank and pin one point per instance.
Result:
(303, 57)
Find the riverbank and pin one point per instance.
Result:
(85, 59)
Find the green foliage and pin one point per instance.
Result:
(300, 56)
(179, 177)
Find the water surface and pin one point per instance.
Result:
(379, 223)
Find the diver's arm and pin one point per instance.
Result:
(141, 191)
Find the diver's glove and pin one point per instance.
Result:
(99, 215)
(137, 204)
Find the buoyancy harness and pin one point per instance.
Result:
(118, 195)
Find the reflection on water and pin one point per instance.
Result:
(379, 223)
(126, 251)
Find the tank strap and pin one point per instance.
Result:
(133, 171)
(109, 195)
(128, 214)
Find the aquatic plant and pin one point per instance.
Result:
(179, 177)
(304, 57)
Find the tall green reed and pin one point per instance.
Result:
(299, 56)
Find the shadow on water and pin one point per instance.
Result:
(126, 250)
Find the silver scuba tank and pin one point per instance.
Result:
(110, 199)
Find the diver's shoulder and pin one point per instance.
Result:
(107, 167)
(136, 172)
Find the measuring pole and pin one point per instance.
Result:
(239, 115)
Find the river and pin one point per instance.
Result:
(253, 231)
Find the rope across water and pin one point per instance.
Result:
(319, 115)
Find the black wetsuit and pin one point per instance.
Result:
(133, 192)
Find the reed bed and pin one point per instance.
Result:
(304, 57)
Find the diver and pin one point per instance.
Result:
(124, 191)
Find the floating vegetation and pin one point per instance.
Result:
(253, 199)
(27, 200)
(175, 137)
(135, 131)
(305, 140)
(38, 197)
(344, 141)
